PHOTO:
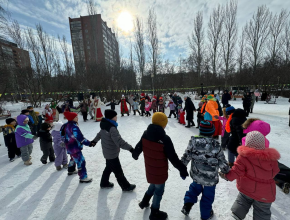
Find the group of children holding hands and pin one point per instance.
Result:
(255, 167)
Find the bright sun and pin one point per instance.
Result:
(125, 21)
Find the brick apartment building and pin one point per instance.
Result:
(12, 56)
(93, 42)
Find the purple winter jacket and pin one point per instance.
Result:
(23, 134)
(171, 105)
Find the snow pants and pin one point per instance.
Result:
(231, 156)
(85, 116)
(26, 152)
(71, 166)
(225, 140)
(81, 164)
(60, 155)
(207, 199)
(172, 112)
(13, 150)
(47, 152)
(157, 190)
(243, 204)
(148, 114)
(136, 110)
(114, 165)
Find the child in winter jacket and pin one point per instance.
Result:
(35, 119)
(254, 170)
(59, 147)
(9, 139)
(142, 104)
(199, 114)
(181, 118)
(157, 148)
(172, 106)
(224, 119)
(111, 144)
(255, 124)
(135, 107)
(161, 105)
(147, 108)
(31, 121)
(24, 138)
(45, 140)
(74, 141)
(40, 120)
(206, 158)
(112, 104)
(154, 104)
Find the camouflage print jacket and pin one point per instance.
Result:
(206, 158)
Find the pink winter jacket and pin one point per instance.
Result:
(260, 126)
(224, 120)
(254, 171)
(148, 106)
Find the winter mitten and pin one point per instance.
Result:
(223, 176)
(183, 177)
(132, 150)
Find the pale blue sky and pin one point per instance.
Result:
(175, 17)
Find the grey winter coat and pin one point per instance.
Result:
(206, 158)
(111, 140)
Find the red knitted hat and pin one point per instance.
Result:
(70, 115)
(142, 94)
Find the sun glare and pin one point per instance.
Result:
(125, 21)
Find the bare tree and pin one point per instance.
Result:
(139, 46)
(153, 40)
(16, 34)
(257, 32)
(215, 27)
(92, 8)
(3, 18)
(241, 50)
(275, 42)
(286, 43)
(229, 36)
(196, 43)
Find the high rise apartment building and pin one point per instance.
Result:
(12, 56)
(93, 42)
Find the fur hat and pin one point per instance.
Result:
(206, 128)
(159, 118)
(256, 140)
(70, 115)
(109, 114)
(9, 120)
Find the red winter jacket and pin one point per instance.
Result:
(157, 148)
(254, 171)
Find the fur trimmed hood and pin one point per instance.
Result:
(255, 124)
(269, 154)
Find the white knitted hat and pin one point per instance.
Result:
(255, 140)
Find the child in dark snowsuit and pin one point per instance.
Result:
(59, 147)
(111, 144)
(206, 158)
(40, 120)
(158, 149)
(46, 143)
(9, 139)
(112, 104)
(142, 106)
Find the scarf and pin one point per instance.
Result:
(112, 122)
(228, 127)
(11, 126)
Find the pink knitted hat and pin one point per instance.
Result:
(256, 140)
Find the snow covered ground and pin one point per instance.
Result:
(41, 192)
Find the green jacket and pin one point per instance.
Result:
(34, 116)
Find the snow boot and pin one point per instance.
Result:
(130, 188)
(65, 166)
(12, 159)
(86, 180)
(18, 156)
(58, 168)
(145, 201)
(156, 214)
(285, 188)
(43, 161)
(188, 126)
(27, 163)
(186, 208)
(108, 186)
(72, 173)
(211, 216)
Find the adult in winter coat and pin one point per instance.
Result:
(235, 122)
(158, 149)
(255, 124)
(112, 142)
(97, 109)
(254, 170)
(24, 138)
(9, 139)
(45, 140)
(74, 141)
(189, 108)
(206, 158)
(123, 105)
(247, 101)
(59, 147)
(226, 98)
(253, 102)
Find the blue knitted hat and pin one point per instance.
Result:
(206, 128)
(230, 110)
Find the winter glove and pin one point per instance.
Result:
(183, 177)
(132, 150)
(223, 176)
(62, 144)
(34, 137)
(92, 144)
(183, 174)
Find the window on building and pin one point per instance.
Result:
(88, 47)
